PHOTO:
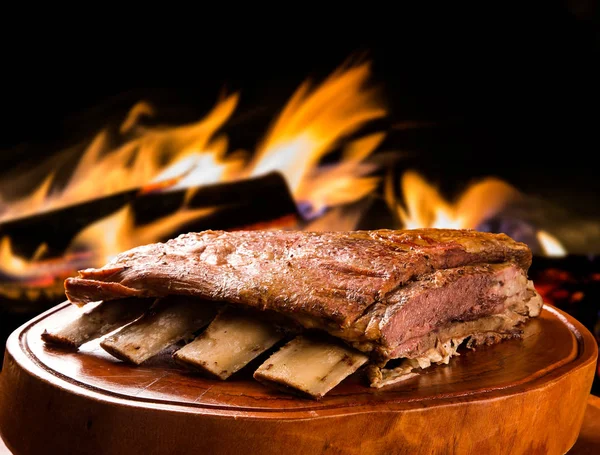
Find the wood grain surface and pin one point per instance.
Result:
(520, 396)
(588, 442)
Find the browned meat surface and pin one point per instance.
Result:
(380, 288)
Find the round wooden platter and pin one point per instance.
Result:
(520, 396)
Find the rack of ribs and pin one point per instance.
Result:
(387, 302)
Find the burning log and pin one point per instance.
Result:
(169, 321)
(57, 227)
(96, 322)
(239, 203)
(229, 343)
(310, 366)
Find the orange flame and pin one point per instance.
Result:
(36, 270)
(118, 232)
(311, 126)
(10, 263)
(143, 156)
(133, 156)
(426, 207)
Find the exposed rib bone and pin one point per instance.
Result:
(96, 322)
(169, 321)
(230, 342)
(311, 366)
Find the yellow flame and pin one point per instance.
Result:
(341, 218)
(140, 158)
(424, 206)
(37, 270)
(10, 263)
(316, 121)
(346, 182)
(135, 113)
(35, 202)
(550, 245)
(118, 232)
(197, 168)
(313, 123)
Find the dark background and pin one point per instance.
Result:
(511, 91)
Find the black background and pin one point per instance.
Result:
(511, 91)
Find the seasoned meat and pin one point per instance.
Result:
(379, 290)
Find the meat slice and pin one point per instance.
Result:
(399, 326)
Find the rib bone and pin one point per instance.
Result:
(96, 322)
(169, 321)
(310, 366)
(229, 343)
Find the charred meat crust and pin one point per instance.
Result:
(332, 276)
(363, 286)
(412, 295)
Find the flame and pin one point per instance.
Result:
(310, 126)
(36, 271)
(118, 232)
(134, 156)
(144, 155)
(550, 245)
(426, 207)
(347, 181)
(31, 204)
(340, 218)
(10, 263)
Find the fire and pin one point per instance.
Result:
(143, 156)
(550, 244)
(36, 271)
(118, 232)
(332, 194)
(347, 182)
(11, 264)
(313, 123)
(137, 157)
(424, 206)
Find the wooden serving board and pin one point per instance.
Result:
(519, 396)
